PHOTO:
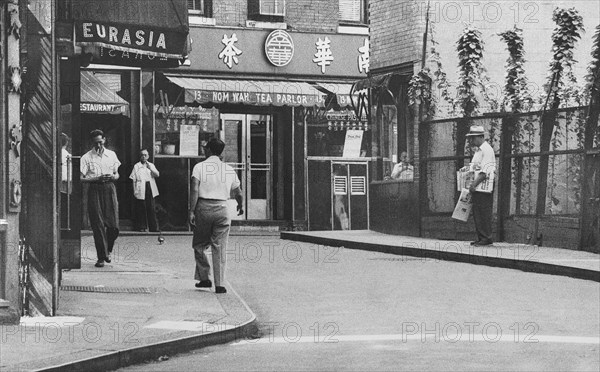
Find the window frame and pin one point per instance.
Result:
(206, 12)
(364, 14)
(255, 14)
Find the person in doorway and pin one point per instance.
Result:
(144, 191)
(66, 179)
(484, 164)
(403, 170)
(212, 183)
(99, 168)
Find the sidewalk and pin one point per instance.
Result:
(545, 260)
(140, 307)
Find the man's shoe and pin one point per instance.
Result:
(475, 242)
(483, 243)
(99, 263)
(220, 290)
(107, 259)
(204, 284)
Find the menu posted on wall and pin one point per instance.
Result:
(188, 140)
(352, 143)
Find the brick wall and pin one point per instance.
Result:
(312, 15)
(396, 31)
(230, 12)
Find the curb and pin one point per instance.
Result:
(507, 263)
(122, 358)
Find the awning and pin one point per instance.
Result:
(249, 92)
(151, 28)
(376, 81)
(340, 90)
(97, 98)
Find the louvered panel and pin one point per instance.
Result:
(358, 186)
(340, 185)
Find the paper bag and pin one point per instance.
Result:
(463, 206)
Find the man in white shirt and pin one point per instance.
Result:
(483, 162)
(403, 170)
(144, 191)
(212, 183)
(99, 168)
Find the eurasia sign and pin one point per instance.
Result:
(129, 38)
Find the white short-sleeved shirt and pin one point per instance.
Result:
(484, 158)
(95, 165)
(217, 179)
(140, 175)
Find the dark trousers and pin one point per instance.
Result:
(483, 204)
(145, 212)
(103, 209)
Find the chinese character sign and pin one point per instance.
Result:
(363, 57)
(230, 52)
(279, 48)
(324, 56)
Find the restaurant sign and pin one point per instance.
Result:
(102, 108)
(255, 98)
(137, 39)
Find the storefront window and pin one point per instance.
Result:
(339, 134)
(183, 131)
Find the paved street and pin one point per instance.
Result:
(323, 308)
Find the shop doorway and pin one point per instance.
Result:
(248, 150)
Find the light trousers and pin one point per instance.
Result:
(211, 230)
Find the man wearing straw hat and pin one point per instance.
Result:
(484, 165)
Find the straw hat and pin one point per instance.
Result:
(476, 130)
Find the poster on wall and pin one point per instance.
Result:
(352, 143)
(188, 140)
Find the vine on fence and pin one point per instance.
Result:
(517, 98)
(564, 92)
(593, 74)
(568, 30)
(516, 92)
(472, 74)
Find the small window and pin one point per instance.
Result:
(352, 11)
(200, 7)
(266, 10)
(272, 7)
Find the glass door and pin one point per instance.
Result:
(248, 150)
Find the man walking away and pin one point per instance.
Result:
(212, 183)
(144, 191)
(484, 165)
(99, 168)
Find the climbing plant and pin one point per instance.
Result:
(419, 92)
(593, 73)
(517, 97)
(561, 78)
(563, 90)
(470, 55)
(421, 86)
